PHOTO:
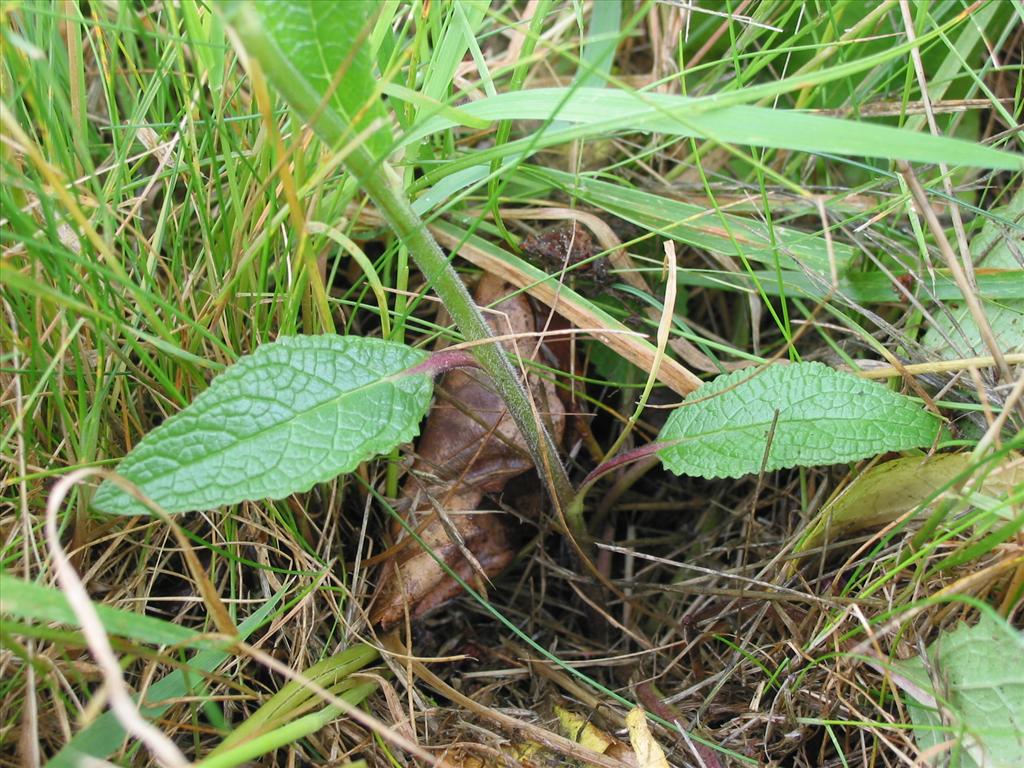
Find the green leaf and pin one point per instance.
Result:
(322, 41)
(451, 47)
(206, 34)
(995, 247)
(294, 699)
(855, 288)
(823, 417)
(980, 699)
(292, 731)
(432, 106)
(602, 40)
(296, 412)
(888, 491)
(601, 111)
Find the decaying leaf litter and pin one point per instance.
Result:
(469, 450)
(722, 614)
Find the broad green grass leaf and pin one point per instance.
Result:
(602, 40)
(980, 696)
(451, 47)
(432, 106)
(37, 602)
(206, 33)
(322, 41)
(823, 417)
(601, 111)
(105, 734)
(294, 699)
(291, 731)
(296, 412)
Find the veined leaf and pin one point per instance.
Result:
(978, 702)
(820, 416)
(296, 412)
(322, 42)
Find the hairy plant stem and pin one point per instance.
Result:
(335, 131)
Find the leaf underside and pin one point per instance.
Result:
(296, 412)
(824, 417)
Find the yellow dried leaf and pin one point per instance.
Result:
(648, 753)
(580, 730)
(889, 490)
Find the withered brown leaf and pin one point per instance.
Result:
(470, 447)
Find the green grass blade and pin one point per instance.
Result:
(452, 46)
(105, 734)
(860, 288)
(602, 40)
(701, 227)
(288, 733)
(294, 698)
(589, 109)
(28, 600)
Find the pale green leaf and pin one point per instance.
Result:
(699, 226)
(602, 40)
(451, 47)
(296, 412)
(855, 288)
(206, 33)
(888, 491)
(295, 698)
(998, 246)
(294, 730)
(969, 693)
(820, 416)
(432, 106)
(324, 45)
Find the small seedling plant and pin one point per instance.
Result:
(128, 266)
(304, 409)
